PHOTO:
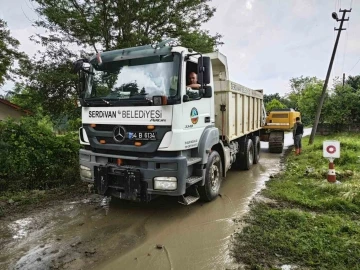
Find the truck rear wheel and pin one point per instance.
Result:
(248, 159)
(213, 178)
(256, 142)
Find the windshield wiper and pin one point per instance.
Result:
(87, 100)
(107, 102)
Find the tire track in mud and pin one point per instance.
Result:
(71, 236)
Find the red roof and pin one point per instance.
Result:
(14, 106)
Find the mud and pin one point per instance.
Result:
(95, 234)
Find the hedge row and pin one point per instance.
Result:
(33, 157)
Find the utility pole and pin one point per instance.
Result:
(322, 98)
(343, 80)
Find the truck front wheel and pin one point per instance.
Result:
(213, 178)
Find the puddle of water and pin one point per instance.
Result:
(68, 208)
(37, 258)
(288, 267)
(20, 228)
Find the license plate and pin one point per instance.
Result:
(142, 136)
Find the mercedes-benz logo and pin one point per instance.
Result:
(119, 134)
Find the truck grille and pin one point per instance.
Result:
(101, 138)
(110, 140)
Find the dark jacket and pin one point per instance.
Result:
(298, 129)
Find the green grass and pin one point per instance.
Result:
(313, 224)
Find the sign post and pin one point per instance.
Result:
(331, 150)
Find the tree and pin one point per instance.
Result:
(274, 104)
(303, 96)
(343, 106)
(108, 24)
(308, 101)
(298, 84)
(8, 52)
(49, 83)
(27, 99)
(283, 99)
(200, 41)
(270, 97)
(354, 82)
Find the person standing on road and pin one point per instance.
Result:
(297, 135)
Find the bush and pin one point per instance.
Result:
(33, 157)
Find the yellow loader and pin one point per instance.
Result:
(277, 122)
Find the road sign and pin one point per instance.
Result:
(331, 149)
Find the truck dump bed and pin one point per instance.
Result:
(243, 110)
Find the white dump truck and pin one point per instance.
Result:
(147, 131)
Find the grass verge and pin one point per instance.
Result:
(307, 222)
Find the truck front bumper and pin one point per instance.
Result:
(127, 181)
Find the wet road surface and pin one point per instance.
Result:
(93, 234)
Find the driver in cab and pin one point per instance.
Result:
(193, 81)
(192, 90)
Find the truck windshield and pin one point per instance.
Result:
(140, 78)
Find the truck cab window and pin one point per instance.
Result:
(192, 83)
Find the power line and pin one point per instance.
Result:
(351, 2)
(335, 8)
(345, 47)
(354, 65)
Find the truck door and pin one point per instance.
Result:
(197, 110)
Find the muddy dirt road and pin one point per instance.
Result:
(93, 234)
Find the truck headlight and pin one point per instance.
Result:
(85, 172)
(165, 183)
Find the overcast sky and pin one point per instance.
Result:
(267, 42)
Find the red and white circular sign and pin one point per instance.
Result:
(331, 149)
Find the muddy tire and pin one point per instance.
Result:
(213, 178)
(276, 141)
(256, 142)
(248, 157)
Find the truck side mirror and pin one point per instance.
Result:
(207, 91)
(77, 66)
(204, 65)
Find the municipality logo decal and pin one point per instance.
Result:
(194, 115)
